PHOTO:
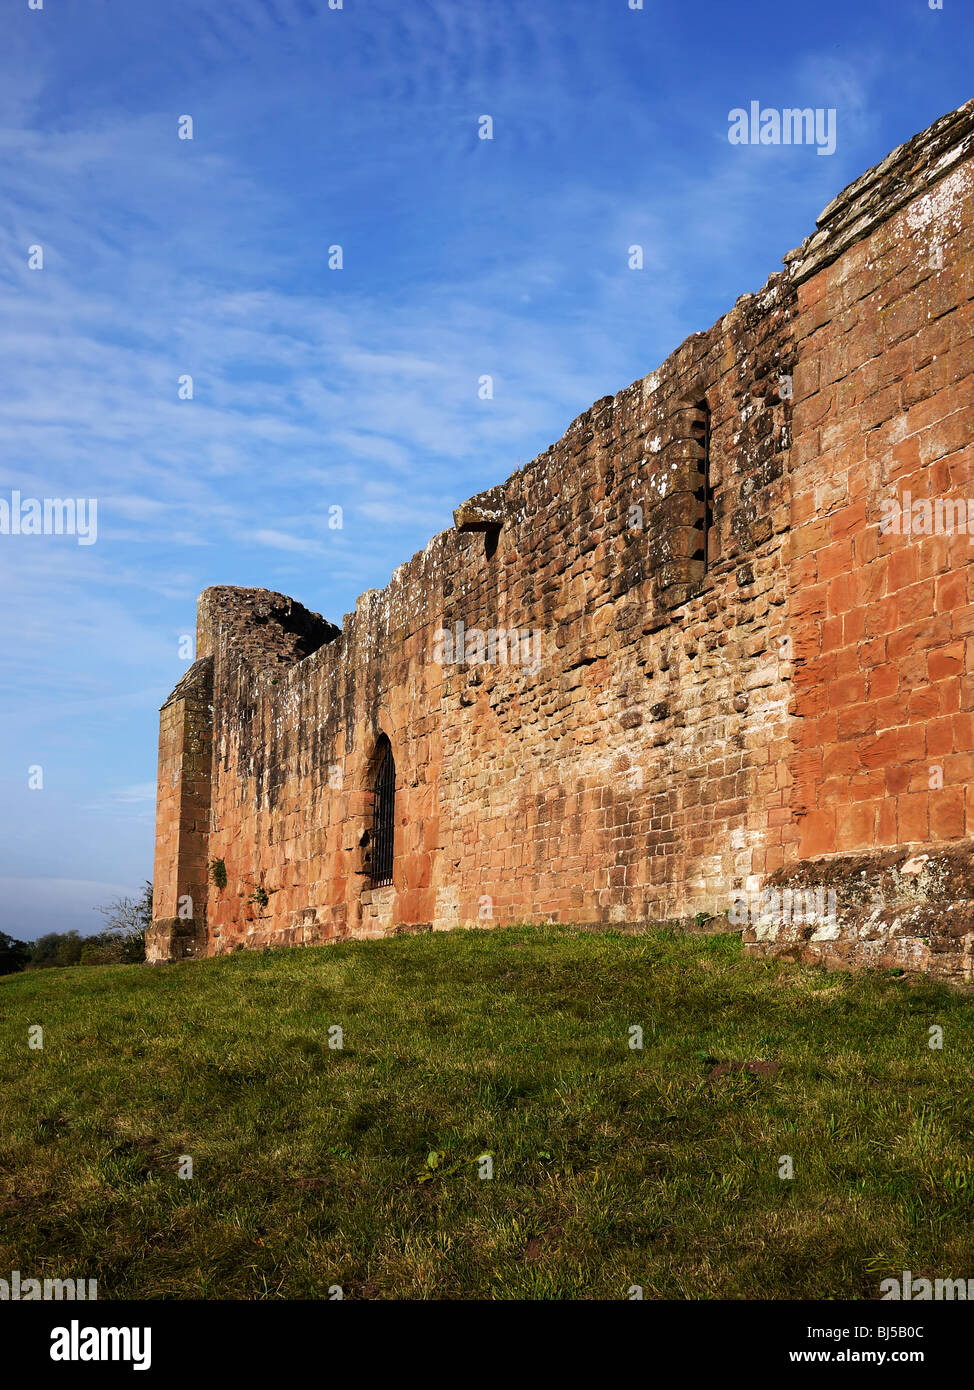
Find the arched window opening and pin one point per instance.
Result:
(383, 814)
(703, 494)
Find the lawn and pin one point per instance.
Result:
(359, 1166)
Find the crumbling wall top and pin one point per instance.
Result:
(258, 626)
(197, 683)
(907, 172)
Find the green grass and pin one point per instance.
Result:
(613, 1166)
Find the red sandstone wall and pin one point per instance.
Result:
(165, 883)
(684, 735)
(638, 773)
(636, 778)
(180, 882)
(884, 623)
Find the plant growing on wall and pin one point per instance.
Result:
(218, 872)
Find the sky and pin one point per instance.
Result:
(316, 386)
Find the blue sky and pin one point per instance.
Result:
(358, 387)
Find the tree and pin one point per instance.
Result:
(126, 922)
(56, 948)
(14, 954)
(69, 949)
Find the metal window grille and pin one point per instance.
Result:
(383, 815)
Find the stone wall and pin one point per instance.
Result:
(883, 622)
(675, 722)
(180, 879)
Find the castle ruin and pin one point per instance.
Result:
(712, 652)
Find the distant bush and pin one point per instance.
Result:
(56, 948)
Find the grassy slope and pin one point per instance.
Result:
(613, 1166)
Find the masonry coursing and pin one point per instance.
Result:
(672, 733)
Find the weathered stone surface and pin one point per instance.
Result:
(179, 887)
(893, 909)
(907, 171)
(666, 729)
(481, 513)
